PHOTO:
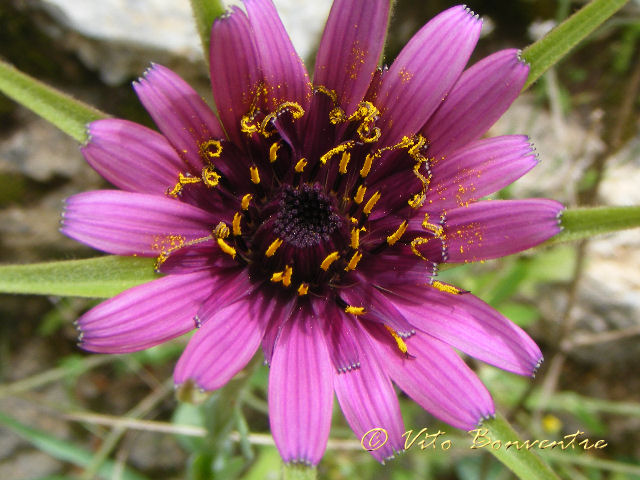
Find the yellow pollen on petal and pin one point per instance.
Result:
(344, 161)
(445, 287)
(353, 263)
(303, 289)
(273, 151)
(182, 181)
(326, 263)
(354, 310)
(226, 248)
(245, 201)
(371, 203)
(360, 194)
(366, 168)
(393, 238)
(237, 218)
(402, 346)
(273, 247)
(210, 177)
(255, 175)
(300, 165)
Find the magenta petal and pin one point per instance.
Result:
(350, 49)
(481, 95)
(479, 169)
(235, 70)
(425, 71)
(224, 344)
(301, 390)
(285, 76)
(368, 401)
(126, 223)
(146, 315)
(340, 335)
(132, 157)
(437, 379)
(179, 112)
(467, 323)
(495, 228)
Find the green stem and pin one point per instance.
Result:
(299, 472)
(204, 13)
(65, 112)
(582, 223)
(554, 46)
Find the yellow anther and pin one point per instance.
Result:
(395, 236)
(237, 218)
(337, 116)
(354, 310)
(255, 175)
(247, 125)
(366, 168)
(277, 277)
(245, 201)
(414, 246)
(210, 177)
(221, 230)
(445, 287)
(402, 346)
(360, 194)
(273, 151)
(371, 203)
(355, 238)
(182, 181)
(343, 147)
(344, 161)
(300, 165)
(286, 278)
(326, 263)
(226, 248)
(353, 263)
(273, 247)
(354, 220)
(206, 151)
(303, 289)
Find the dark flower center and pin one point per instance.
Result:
(306, 216)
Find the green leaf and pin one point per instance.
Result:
(204, 13)
(582, 223)
(299, 472)
(100, 277)
(68, 114)
(550, 49)
(63, 450)
(524, 463)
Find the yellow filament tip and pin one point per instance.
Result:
(366, 168)
(273, 247)
(402, 346)
(182, 181)
(360, 194)
(255, 175)
(226, 248)
(303, 289)
(300, 165)
(326, 263)
(353, 263)
(273, 151)
(395, 236)
(354, 310)
(445, 287)
(371, 203)
(245, 201)
(237, 218)
(344, 161)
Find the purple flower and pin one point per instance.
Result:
(311, 217)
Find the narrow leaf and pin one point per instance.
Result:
(63, 450)
(550, 49)
(68, 114)
(524, 463)
(204, 13)
(582, 223)
(100, 277)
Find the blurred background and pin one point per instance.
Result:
(67, 414)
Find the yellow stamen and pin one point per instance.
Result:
(355, 238)
(237, 218)
(354, 310)
(326, 263)
(337, 116)
(303, 289)
(273, 151)
(360, 194)
(371, 203)
(366, 168)
(206, 153)
(414, 246)
(436, 229)
(395, 236)
(343, 147)
(300, 165)
(417, 200)
(344, 161)
(247, 126)
(226, 248)
(329, 93)
(182, 181)
(353, 263)
(445, 287)
(273, 247)
(402, 346)
(245, 201)
(255, 175)
(210, 177)
(221, 230)
(286, 278)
